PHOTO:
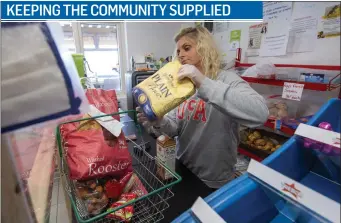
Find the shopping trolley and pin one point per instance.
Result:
(147, 208)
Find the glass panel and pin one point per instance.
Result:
(33, 149)
(89, 42)
(101, 51)
(69, 41)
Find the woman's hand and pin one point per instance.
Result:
(191, 72)
(142, 119)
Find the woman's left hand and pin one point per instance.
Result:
(191, 72)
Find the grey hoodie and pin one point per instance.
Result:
(207, 126)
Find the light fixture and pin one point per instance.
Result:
(99, 26)
(82, 25)
(90, 26)
(107, 27)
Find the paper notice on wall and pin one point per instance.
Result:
(275, 41)
(235, 39)
(302, 35)
(256, 33)
(330, 25)
(221, 26)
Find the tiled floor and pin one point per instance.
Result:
(58, 212)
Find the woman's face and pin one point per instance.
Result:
(187, 52)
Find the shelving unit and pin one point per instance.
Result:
(322, 87)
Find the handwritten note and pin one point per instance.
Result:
(292, 91)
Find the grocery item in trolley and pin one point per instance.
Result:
(165, 152)
(104, 100)
(114, 187)
(124, 214)
(98, 193)
(91, 153)
(162, 92)
(93, 196)
(135, 186)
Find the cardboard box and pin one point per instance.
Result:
(165, 152)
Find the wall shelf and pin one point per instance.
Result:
(280, 83)
(289, 131)
(307, 85)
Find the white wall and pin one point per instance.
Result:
(151, 37)
(327, 51)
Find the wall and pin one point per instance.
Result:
(327, 51)
(151, 37)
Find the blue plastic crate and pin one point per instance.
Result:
(244, 200)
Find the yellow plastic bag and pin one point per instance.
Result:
(162, 92)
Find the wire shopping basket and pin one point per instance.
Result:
(147, 208)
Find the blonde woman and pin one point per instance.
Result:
(207, 124)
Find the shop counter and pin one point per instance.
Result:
(246, 200)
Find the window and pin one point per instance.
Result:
(100, 45)
(101, 52)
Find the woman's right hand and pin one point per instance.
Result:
(142, 119)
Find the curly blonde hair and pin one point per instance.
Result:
(206, 48)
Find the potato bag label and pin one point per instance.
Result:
(162, 92)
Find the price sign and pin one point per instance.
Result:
(292, 91)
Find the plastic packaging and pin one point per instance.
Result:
(264, 70)
(37, 72)
(114, 187)
(92, 193)
(281, 109)
(321, 147)
(161, 92)
(124, 214)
